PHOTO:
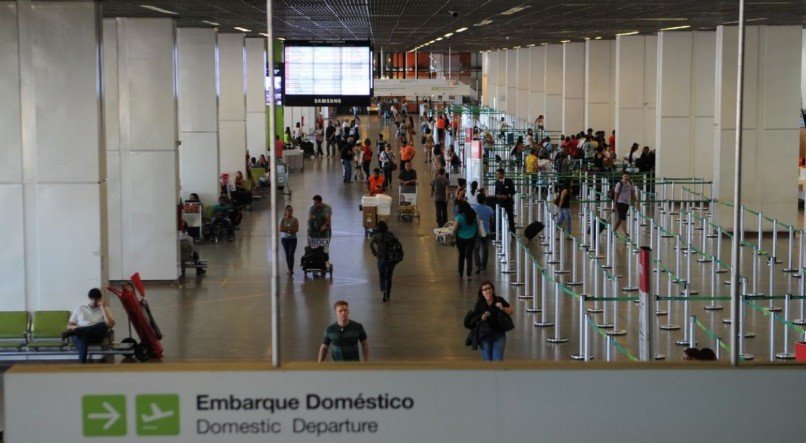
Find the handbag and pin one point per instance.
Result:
(481, 231)
(392, 165)
(505, 322)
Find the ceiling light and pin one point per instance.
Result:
(628, 33)
(281, 39)
(438, 38)
(587, 38)
(674, 28)
(484, 22)
(598, 37)
(448, 34)
(530, 45)
(514, 10)
(461, 30)
(516, 47)
(211, 23)
(565, 41)
(154, 8)
(264, 34)
(238, 28)
(748, 20)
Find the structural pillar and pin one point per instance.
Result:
(232, 103)
(522, 81)
(537, 83)
(599, 85)
(635, 93)
(256, 141)
(554, 88)
(512, 80)
(573, 87)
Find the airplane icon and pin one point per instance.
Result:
(156, 414)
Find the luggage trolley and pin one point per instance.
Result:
(316, 259)
(407, 203)
(140, 317)
(281, 177)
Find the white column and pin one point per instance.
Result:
(198, 112)
(232, 103)
(485, 79)
(146, 190)
(770, 136)
(554, 88)
(502, 81)
(522, 83)
(537, 83)
(492, 79)
(256, 142)
(512, 81)
(50, 156)
(599, 95)
(684, 143)
(573, 87)
(803, 73)
(636, 63)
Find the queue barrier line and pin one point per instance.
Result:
(712, 335)
(619, 347)
(776, 316)
(691, 297)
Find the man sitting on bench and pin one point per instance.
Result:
(189, 256)
(89, 323)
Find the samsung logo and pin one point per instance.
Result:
(327, 101)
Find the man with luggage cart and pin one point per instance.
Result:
(89, 323)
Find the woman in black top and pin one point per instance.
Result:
(385, 267)
(564, 203)
(490, 308)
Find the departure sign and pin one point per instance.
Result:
(324, 73)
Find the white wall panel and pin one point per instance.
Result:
(650, 87)
(232, 136)
(256, 96)
(150, 236)
(113, 163)
(66, 105)
(198, 113)
(502, 81)
(69, 226)
(231, 77)
(537, 82)
(523, 75)
(114, 209)
(674, 146)
(599, 81)
(573, 87)
(554, 87)
(10, 136)
(12, 254)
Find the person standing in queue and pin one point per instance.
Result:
(465, 231)
(486, 216)
(490, 308)
(346, 155)
(624, 195)
(504, 193)
(343, 336)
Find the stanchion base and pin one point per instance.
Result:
(692, 292)
(599, 257)
(533, 310)
(747, 356)
(661, 313)
(525, 296)
(712, 236)
(659, 357)
(552, 262)
(578, 357)
(682, 342)
(773, 309)
(667, 236)
(604, 325)
(607, 267)
(507, 271)
(594, 310)
(797, 275)
(800, 321)
(556, 340)
(704, 260)
(785, 355)
(561, 271)
(616, 332)
(517, 283)
(714, 308)
(726, 321)
(789, 270)
(573, 283)
(543, 324)
(721, 271)
(749, 334)
(669, 327)
(629, 289)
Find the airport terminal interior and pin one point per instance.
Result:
(100, 179)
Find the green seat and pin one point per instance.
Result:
(47, 328)
(13, 329)
(208, 213)
(257, 173)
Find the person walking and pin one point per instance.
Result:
(465, 231)
(289, 225)
(387, 159)
(344, 336)
(489, 309)
(623, 196)
(564, 203)
(381, 244)
(346, 155)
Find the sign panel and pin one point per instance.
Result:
(323, 73)
(483, 405)
(646, 303)
(421, 88)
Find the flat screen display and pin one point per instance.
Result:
(327, 73)
(278, 86)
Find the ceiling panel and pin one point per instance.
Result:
(403, 25)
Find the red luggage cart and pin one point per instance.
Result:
(140, 316)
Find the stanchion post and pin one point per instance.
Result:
(581, 324)
(790, 247)
(714, 306)
(543, 323)
(785, 354)
(535, 293)
(614, 288)
(557, 338)
(574, 265)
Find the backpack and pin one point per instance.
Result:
(394, 250)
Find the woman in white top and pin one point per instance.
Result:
(289, 225)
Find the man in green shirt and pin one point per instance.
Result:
(344, 336)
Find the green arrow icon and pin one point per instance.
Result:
(104, 415)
